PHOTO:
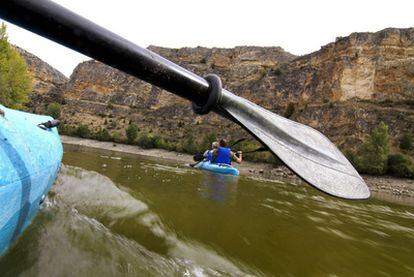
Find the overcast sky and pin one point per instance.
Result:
(298, 26)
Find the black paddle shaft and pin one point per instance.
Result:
(53, 21)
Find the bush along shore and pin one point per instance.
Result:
(376, 156)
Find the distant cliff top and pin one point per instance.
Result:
(42, 70)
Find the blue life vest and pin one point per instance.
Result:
(209, 156)
(223, 156)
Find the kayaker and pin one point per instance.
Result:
(224, 155)
(208, 155)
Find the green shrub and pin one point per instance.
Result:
(351, 156)
(103, 135)
(145, 141)
(159, 142)
(400, 165)
(131, 132)
(83, 131)
(406, 141)
(53, 109)
(66, 129)
(373, 154)
(263, 157)
(190, 146)
(117, 137)
(247, 145)
(169, 146)
(290, 109)
(148, 141)
(208, 139)
(15, 80)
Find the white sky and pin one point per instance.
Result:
(298, 26)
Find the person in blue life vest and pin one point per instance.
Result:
(208, 155)
(224, 155)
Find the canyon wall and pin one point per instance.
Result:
(344, 90)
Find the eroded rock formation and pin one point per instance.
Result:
(344, 90)
(47, 82)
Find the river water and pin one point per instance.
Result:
(111, 214)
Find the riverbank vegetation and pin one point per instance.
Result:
(376, 156)
(54, 110)
(379, 154)
(15, 80)
(147, 139)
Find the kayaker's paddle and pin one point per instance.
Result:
(260, 149)
(200, 156)
(306, 151)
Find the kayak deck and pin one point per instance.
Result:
(30, 159)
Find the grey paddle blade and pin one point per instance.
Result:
(303, 149)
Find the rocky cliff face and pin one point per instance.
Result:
(102, 97)
(344, 89)
(364, 66)
(47, 82)
(349, 86)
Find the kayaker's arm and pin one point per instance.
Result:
(237, 158)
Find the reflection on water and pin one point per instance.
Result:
(112, 214)
(218, 187)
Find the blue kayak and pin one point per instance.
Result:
(30, 159)
(218, 168)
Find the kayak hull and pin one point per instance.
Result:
(30, 158)
(218, 168)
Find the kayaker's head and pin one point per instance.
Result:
(223, 143)
(215, 145)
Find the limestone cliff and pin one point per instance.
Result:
(364, 66)
(344, 89)
(349, 86)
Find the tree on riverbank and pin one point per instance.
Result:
(15, 80)
(373, 153)
(131, 132)
(373, 156)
